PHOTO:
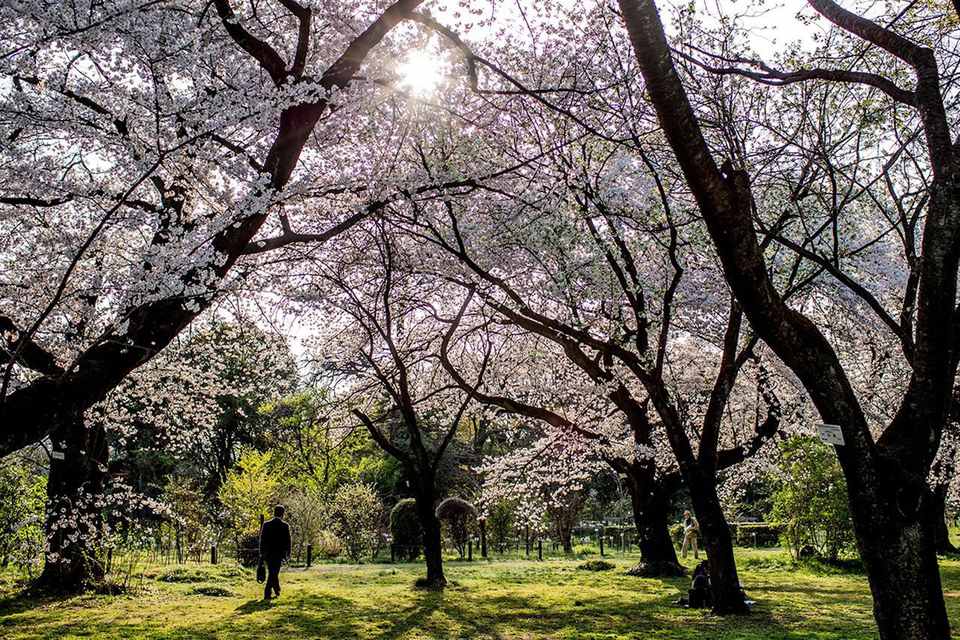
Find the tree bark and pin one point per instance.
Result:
(73, 519)
(886, 479)
(432, 542)
(651, 515)
(725, 586)
(941, 533)
(904, 575)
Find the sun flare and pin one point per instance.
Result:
(420, 73)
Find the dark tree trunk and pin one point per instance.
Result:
(74, 483)
(728, 597)
(896, 539)
(941, 533)
(432, 542)
(651, 513)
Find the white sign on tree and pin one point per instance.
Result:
(831, 434)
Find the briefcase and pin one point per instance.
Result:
(261, 572)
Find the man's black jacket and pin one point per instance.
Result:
(274, 540)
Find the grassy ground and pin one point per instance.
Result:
(509, 599)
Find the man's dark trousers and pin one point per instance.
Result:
(273, 576)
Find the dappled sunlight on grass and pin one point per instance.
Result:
(499, 600)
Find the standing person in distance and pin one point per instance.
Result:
(274, 549)
(690, 531)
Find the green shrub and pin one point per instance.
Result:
(183, 574)
(596, 565)
(810, 499)
(355, 516)
(248, 549)
(760, 534)
(676, 533)
(328, 545)
(458, 518)
(406, 530)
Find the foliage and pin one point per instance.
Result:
(190, 513)
(501, 518)
(328, 545)
(249, 492)
(355, 516)
(22, 498)
(810, 499)
(307, 513)
(458, 518)
(405, 529)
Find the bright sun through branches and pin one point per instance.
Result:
(420, 73)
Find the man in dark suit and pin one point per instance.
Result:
(274, 549)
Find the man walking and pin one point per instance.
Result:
(274, 549)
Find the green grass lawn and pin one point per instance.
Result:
(504, 599)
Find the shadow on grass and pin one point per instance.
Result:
(255, 605)
(534, 602)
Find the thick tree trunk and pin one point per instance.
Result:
(728, 596)
(565, 534)
(651, 512)
(899, 553)
(73, 520)
(941, 533)
(432, 542)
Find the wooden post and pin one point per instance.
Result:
(309, 555)
(483, 538)
(539, 548)
(600, 537)
(213, 554)
(470, 550)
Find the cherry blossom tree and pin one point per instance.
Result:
(886, 475)
(380, 348)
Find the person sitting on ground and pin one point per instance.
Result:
(700, 596)
(274, 549)
(690, 530)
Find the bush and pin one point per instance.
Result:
(406, 530)
(23, 497)
(355, 517)
(248, 549)
(810, 499)
(761, 534)
(328, 545)
(458, 518)
(676, 533)
(596, 565)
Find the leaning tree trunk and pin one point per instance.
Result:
(728, 596)
(432, 543)
(650, 501)
(72, 524)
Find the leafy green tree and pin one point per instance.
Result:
(248, 492)
(22, 498)
(810, 499)
(355, 516)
